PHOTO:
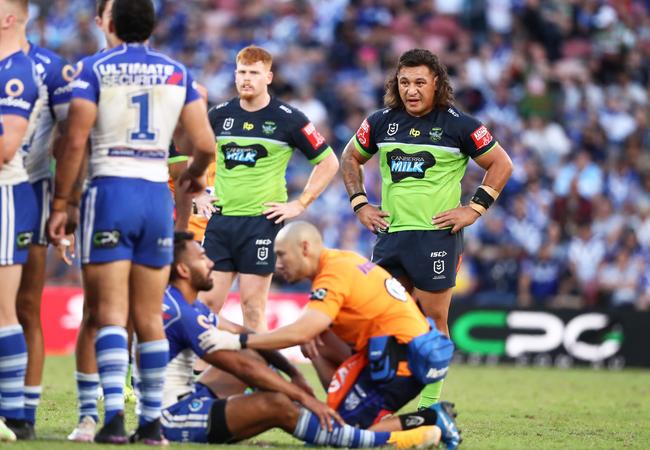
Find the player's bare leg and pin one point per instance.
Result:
(436, 306)
(11, 407)
(107, 298)
(86, 375)
(253, 292)
(216, 297)
(28, 305)
(146, 290)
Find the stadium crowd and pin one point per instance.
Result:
(563, 85)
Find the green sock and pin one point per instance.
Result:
(430, 394)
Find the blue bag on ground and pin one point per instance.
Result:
(429, 355)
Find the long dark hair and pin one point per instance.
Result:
(444, 95)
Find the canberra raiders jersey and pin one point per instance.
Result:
(253, 150)
(422, 161)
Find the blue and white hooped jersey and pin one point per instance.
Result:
(139, 93)
(22, 94)
(56, 74)
(188, 329)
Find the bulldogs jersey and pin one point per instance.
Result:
(139, 94)
(56, 75)
(21, 94)
(188, 329)
(422, 161)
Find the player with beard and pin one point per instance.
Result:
(256, 136)
(128, 101)
(424, 144)
(213, 410)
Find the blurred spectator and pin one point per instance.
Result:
(586, 252)
(541, 278)
(618, 281)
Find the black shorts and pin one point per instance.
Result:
(429, 259)
(241, 244)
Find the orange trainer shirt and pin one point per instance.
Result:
(198, 223)
(363, 300)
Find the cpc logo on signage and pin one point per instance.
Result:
(538, 332)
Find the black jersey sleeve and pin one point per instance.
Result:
(475, 138)
(305, 137)
(365, 138)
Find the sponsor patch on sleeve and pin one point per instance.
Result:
(313, 136)
(363, 133)
(318, 294)
(481, 137)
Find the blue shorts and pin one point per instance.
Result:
(187, 420)
(127, 219)
(18, 221)
(43, 192)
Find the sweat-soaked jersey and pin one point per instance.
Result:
(253, 150)
(422, 161)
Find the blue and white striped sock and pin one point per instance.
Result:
(309, 430)
(112, 362)
(13, 363)
(87, 392)
(152, 360)
(32, 399)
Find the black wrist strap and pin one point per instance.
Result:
(243, 340)
(481, 197)
(353, 196)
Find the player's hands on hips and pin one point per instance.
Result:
(279, 212)
(190, 184)
(56, 224)
(299, 380)
(66, 249)
(373, 218)
(205, 204)
(457, 218)
(324, 413)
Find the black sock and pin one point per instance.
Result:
(417, 419)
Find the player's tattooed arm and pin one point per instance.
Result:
(352, 168)
(352, 163)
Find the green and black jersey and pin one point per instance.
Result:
(253, 150)
(422, 161)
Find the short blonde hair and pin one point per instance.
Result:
(252, 54)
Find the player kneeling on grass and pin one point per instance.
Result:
(397, 350)
(200, 412)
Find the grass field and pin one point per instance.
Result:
(500, 408)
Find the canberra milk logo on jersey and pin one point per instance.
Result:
(117, 74)
(242, 155)
(403, 165)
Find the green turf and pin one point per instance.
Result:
(500, 408)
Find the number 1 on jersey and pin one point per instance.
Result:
(142, 102)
